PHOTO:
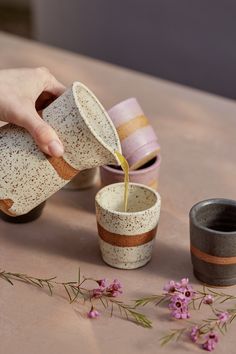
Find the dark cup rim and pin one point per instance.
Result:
(139, 172)
(196, 207)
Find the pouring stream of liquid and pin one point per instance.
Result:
(125, 167)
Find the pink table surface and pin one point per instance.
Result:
(197, 133)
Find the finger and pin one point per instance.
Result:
(49, 82)
(44, 135)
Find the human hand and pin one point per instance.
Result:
(24, 92)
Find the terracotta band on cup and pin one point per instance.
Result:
(153, 184)
(63, 169)
(124, 240)
(129, 144)
(126, 129)
(5, 205)
(212, 259)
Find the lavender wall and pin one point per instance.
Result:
(187, 41)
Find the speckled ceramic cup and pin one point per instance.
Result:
(138, 139)
(213, 241)
(147, 174)
(28, 176)
(84, 179)
(126, 238)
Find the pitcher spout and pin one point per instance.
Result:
(101, 130)
(89, 137)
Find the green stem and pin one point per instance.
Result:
(74, 289)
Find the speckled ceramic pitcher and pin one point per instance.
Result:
(28, 176)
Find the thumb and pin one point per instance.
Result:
(44, 135)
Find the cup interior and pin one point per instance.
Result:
(96, 118)
(146, 165)
(141, 198)
(217, 216)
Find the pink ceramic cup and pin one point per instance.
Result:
(138, 139)
(148, 175)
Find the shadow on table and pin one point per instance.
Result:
(52, 234)
(171, 255)
(54, 237)
(170, 261)
(77, 199)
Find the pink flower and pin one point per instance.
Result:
(182, 287)
(223, 317)
(185, 288)
(208, 299)
(114, 289)
(179, 307)
(181, 295)
(170, 287)
(211, 340)
(188, 293)
(183, 283)
(97, 292)
(93, 313)
(194, 334)
(102, 282)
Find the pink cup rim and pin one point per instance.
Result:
(135, 172)
(124, 102)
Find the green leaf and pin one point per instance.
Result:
(68, 293)
(104, 305)
(141, 319)
(232, 318)
(7, 279)
(149, 299)
(76, 295)
(167, 338)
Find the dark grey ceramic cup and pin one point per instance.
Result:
(213, 241)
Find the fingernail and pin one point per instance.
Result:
(55, 148)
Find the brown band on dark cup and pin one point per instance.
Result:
(63, 169)
(127, 128)
(124, 240)
(5, 205)
(212, 259)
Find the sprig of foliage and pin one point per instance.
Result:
(76, 290)
(156, 299)
(173, 335)
(179, 296)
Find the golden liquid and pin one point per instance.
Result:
(125, 167)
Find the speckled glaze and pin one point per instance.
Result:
(84, 179)
(126, 238)
(28, 176)
(32, 215)
(138, 138)
(147, 174)
(213, 241)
